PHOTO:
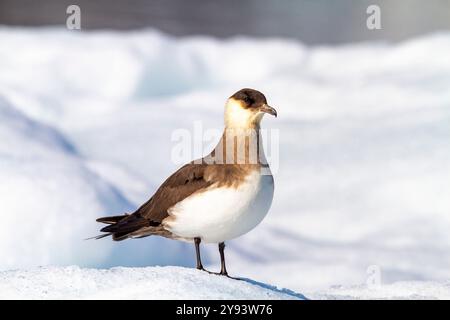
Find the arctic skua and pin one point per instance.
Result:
(213, 199)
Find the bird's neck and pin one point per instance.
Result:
(240, 146)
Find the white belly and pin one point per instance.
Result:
(220, 214)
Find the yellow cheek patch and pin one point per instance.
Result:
(237, 116)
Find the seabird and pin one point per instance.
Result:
(213, 199)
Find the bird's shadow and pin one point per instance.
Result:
(273, 288)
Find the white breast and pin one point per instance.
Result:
(220, 214)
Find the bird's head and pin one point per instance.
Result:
(246, 108)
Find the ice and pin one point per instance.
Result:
(73, 282)
(48, 196)
(86, 121)
(412, 290)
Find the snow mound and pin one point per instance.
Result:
(50, 194)
(50, 199)
(131, 283)
(402, 290)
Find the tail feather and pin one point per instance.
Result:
(128, 224)
(121, 227)
(113, 219)
(99, 236)
(119, 236)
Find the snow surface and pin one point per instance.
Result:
(148, 283)
(86, 122)
(131, 283)
(402, 290)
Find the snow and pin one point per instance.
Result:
(402, 290)
(49, 195)
(131, 283)
(86, 130)
(118, 283)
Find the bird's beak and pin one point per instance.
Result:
(268, 109)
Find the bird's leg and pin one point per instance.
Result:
(197, 252)
(223, 268)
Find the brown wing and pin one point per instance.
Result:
(188, 179)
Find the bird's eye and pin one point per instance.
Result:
(248, 100)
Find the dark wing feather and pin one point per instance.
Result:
(184, 182)
(112, 219)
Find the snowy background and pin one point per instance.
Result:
(86, 121)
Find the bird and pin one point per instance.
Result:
(213, 199)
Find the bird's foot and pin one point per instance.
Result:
(224, 274)
(203, 269)
(221, 273)
(230, 277)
